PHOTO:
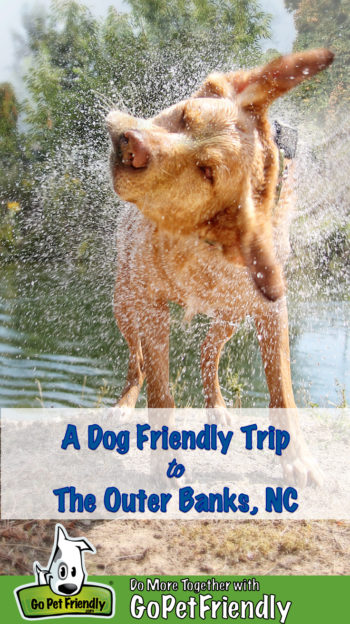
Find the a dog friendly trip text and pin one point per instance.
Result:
(165, 440)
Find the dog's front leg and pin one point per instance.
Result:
(125, 312)
(154, 322)
(219, 333)
(298, 464)
(272, 326)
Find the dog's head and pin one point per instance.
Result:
(66, 572)
(208, 165)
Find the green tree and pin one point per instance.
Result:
(160, 49)
(78, 67)
(233, 25)
(8, 111)
(9, 167)
(322, 234)
(8, 127)
(325, 23)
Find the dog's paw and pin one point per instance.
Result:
(300, 468)
(121, 413)
(219, 416)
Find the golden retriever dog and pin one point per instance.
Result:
(203, 229)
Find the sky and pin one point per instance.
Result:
(12, 10)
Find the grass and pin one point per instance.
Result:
(231, 543)
(232, 386)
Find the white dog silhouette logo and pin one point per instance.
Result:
(65, 572)
(61, 588)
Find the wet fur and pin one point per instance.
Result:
(205, 231)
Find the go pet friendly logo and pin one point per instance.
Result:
(60, 589)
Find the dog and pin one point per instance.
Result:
(203, 229)
(65, 572)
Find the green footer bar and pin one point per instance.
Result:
(291, 599)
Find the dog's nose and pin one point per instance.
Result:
(67, 588)
(133, 149)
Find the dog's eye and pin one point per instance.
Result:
(62, 571)
(74, 571)
(184, 122)
(207, 172)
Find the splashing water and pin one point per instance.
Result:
(59, 344)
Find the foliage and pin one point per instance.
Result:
(8, 112)
(237, 24)
(8, 131)
(9, 170)
(325, 23)
(323, 225)
(76, 68)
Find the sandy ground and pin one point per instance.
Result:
(173, 547)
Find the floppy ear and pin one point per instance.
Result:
(257, 249)
(247, 239)
(261, 262)
(62, 538)
(84, 544)
(260, 86)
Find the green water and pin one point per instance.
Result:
(59, 346)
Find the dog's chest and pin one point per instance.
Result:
(197, 275)
(188, 271)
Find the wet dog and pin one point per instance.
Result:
(203, 229)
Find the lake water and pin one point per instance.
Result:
(59, 346)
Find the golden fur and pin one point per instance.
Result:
(205, 232)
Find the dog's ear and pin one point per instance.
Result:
(61, 536)
(257, 249)
(261, 262)
(263, 85)
(259, 87)
(84, 544)
(215, 85)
